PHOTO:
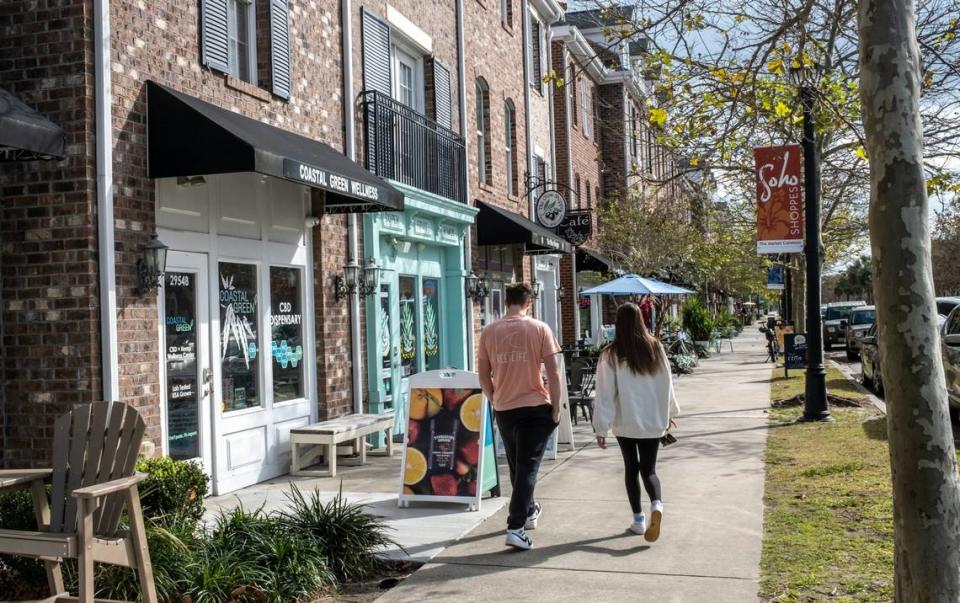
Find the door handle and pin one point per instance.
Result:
(207, 382)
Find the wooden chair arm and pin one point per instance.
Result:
(116, 485)
(22, 477)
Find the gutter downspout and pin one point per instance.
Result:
(551, 90)
(462, 115)
(349, 144)
(568, 128)
(525, 9)
(109, 358)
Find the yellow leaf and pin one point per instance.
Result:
(781, 110)
(775, 66)
(861, 152)
(658, 116)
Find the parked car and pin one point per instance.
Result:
(950, 350)
(946, 304)
(837, 313)
(857, 325)
(870, 361)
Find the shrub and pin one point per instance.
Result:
(19, 575)
(696, 319)
(348, 537)
(172, 488)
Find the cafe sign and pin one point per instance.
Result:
(779, 199)
(577, 226)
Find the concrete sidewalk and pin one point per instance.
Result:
(709, 549)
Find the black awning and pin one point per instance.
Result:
(26, 135)
(497, 226)
(588, 259)
(189, 137)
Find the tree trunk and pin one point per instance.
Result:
(922, 458)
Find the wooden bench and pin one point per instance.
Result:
(309, 442)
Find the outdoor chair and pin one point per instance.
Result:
(581, 388)
(95, 448)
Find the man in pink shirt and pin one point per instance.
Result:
(512, 351)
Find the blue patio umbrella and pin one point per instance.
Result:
(631, 284)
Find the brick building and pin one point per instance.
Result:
(217, 127)
(324, 176)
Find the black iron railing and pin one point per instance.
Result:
(408, 147)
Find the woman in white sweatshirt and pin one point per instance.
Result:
(635, 400)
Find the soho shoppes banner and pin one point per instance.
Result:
(779, 199)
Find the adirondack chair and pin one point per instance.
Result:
(95, 449)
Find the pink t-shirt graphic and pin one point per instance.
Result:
(515, 347)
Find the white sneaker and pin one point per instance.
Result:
(656, 516)
(518, 539)
(531, 523)
(639, 525)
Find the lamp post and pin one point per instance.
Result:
(815, 389)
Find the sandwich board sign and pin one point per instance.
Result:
(446, 457)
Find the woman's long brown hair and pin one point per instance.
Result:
(633, 343)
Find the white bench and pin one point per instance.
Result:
(322, 438)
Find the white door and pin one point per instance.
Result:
(185, 366)
(260, 369)
(547, 301)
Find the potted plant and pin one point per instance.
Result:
(697, 322)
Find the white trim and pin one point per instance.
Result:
(409, 31)
(548, 10)
(109, 353)
(356, 355)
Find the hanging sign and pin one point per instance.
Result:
(446, 451)
(550, 208)
(577, 226)
(775, 278)
(779, 199)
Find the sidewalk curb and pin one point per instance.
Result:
(874, 400)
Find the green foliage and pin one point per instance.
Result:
(696, 320)
(350, 537)
(856, 282)
(172, 488)
(243, 556)
(19, 574)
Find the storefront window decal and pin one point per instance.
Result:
(431, 323)
(183, 396)
(238, 337)
(286, 326)
(409, 327)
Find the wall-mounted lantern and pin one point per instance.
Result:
(477, 287)
(351, 281)
(152, 264)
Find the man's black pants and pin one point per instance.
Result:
(525, 432)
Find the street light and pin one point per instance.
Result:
(805, 77)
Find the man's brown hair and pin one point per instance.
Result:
(518, 293)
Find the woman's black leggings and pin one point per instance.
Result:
(640, 458)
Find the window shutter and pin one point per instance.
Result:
(376, 54)
(213, 34)
(280, 47)
(535, 56)
(442, 95)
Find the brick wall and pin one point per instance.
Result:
(159, 40)
(577, 151)
(494, 52)
(50, 313)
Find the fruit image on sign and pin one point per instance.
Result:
(443, 444)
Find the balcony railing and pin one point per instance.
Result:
(405, 146)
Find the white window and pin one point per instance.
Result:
(585, 110)
(534, 50)
(408, 78)
(506, 12)
(510, 141)
(483, 135)
(241, 34)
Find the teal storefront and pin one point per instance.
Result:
(416, 321)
